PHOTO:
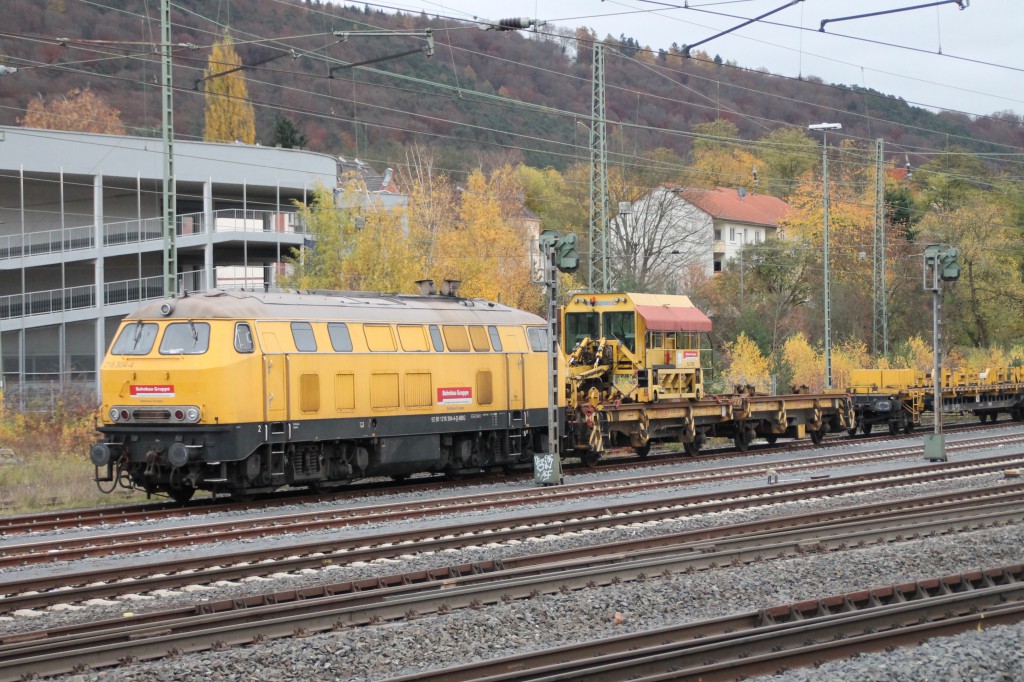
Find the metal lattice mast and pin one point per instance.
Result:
(597, 278)
(880, 318)
(167, 100)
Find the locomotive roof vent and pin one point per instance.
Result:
(426, 286)
(166, 308)
(450, 287)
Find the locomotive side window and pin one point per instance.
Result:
(538, 338)
(341, 340)
(412, 337)
(479, 337)
(302, 333)
(185, 338)
(243, 338)
(435, 338)
(579, 326)
(379, 337)
(492, 331)
(456, 338)
(135, 339)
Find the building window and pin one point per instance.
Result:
(718, 234)
(732, 235)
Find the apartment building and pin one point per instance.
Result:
(81, 238)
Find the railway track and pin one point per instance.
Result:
(768, 641)
(82, 585)
(235, 623)
(155, 511)
(45, 550)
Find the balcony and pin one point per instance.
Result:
(133, 290)
(147, 229)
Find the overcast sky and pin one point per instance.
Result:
(943, 57)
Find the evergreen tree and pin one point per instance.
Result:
(229, 114)
(287, 134)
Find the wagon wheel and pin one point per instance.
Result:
(182, 494)
(643, 436)
(643, 450)
(772, 438)
(818, 435)
(866, 428)
(894, 428)
(693, 447)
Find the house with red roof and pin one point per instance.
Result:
(703, 228)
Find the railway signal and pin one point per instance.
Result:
(940, 263)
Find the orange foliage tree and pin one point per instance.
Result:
(78, 110)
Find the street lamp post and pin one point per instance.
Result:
(824, 128)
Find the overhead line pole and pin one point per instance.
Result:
(169, 190)
(880, 317)
(597, 275)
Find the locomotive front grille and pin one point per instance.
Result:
(151, 415)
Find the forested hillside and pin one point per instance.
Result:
(464, 99)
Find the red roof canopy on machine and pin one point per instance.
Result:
(673, 319)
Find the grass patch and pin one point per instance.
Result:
(48, 466)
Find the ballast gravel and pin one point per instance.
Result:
(416, 647)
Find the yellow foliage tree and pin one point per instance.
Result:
(807, 364)
(229, 114)
(487, 248)
(747, 365)
(79, 110)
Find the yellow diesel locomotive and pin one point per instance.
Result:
(241, 392)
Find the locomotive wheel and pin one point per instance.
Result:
(772, 438)
(693, 448)
(590, 458)
(852, 431)
(182, 494)
(643, 450)
(894, 428)
(866, 428)
(819, 435)
(242, 496)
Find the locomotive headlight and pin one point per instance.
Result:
(883, 406)
(192, 414)
(114, 414)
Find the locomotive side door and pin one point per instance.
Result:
(514, 363)
(275, 383)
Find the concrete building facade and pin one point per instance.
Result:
(81, 237)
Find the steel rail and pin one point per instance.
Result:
(161, 538)
(763, 642)
(76, 587)
(154, 511)
(110, 642)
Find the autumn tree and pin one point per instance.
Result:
(990, 278)
(229, 114)
(783, 157)
(747, 365)
(719, 159)
(485, 245)
(79, 110)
